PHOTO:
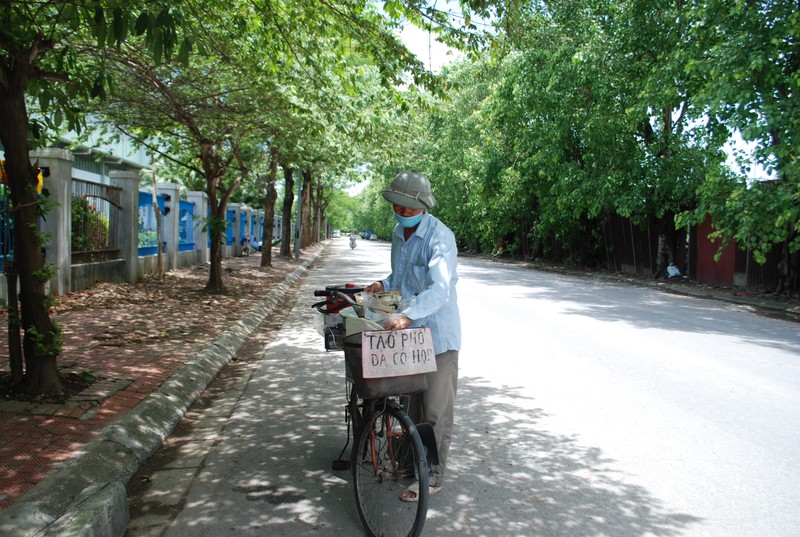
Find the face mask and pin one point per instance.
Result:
(408, 221)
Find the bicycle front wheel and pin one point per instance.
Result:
(387, 458)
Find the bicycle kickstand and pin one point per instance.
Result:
(342, 463)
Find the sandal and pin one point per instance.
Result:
(411, 494)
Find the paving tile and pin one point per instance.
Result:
(127, 375)
(70, 410)
(15, 407)
(45, 409)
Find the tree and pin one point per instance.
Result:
(576, 112)
(463, 153)
(608, 115)
(49, 57)
(199, 115)
(341, 207)
(270, 197)
(286, 222)
(159, 224)
(43, 60)
(751, 62)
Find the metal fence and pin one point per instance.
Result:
(186, 226)
(230, 219)
(147, 226)
(95, 221)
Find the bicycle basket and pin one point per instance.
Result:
(334, 338)
(331, 327)
(375, 388)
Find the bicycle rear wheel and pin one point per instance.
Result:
(387, 458)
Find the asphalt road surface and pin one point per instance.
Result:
(585, 408)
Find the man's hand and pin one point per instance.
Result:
(376, 287)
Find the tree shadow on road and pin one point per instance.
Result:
(270, 470)
(509, 476)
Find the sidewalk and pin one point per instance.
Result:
(152, 348)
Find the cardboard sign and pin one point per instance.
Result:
(394, 353)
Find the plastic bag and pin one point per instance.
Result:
(380, 306)
(673, 271)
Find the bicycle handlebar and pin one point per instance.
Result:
(338, 298)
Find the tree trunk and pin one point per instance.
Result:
(216, 228)
(218, 196)
(286, 223)
(159, 226)
(269, 210)
(305, 226)
(787, 268)
(42, 339)
(318, 213)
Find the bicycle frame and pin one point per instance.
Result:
(388, 454)
(386, 429)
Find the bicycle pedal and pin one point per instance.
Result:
(340, 464)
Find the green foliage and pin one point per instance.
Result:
(14, 320)
(50, 301)
(752, 53)
(42, 237)
(49, 344)
(88, 377)
(89, 227)
(147, 237)
(47, 272)
(579, 111)
(45, 204)
(756, 215)
(212, 224)
(58, 36)
(341, 210)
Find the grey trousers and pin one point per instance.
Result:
(436, 406)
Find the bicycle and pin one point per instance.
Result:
(389, 453)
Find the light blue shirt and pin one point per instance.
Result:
(425, 267)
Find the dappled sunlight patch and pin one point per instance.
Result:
(329, 481)
(508, 475)
(265, 492)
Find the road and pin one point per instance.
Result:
(586, 408)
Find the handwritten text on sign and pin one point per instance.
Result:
(393, 353)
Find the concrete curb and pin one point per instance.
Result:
(86, 496)
(665, 286)
(766, 305)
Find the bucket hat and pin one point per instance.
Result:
(411, 190)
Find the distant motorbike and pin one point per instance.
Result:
(352, 241)
(249, 245)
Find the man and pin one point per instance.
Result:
(424, 259)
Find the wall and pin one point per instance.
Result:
(129, 266)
